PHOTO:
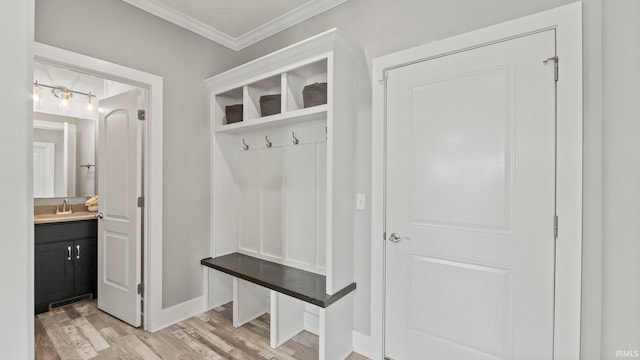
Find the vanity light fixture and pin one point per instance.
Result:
(63, 94)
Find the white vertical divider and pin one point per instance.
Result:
(336, 324)
(220, 289)
(284, 92)
(249, 301)
(293, 92)
(249, 200)
(287, 318)
(301, 204)
(225, 196)
(271, 202)
(340, 170)
(321, 205)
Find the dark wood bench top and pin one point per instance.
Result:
(300, 284)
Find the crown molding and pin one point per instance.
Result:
(274, 26)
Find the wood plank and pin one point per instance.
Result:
(44, 349)
(91, 334)
(61, 334)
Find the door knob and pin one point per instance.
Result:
(396, 238)
(99, 215)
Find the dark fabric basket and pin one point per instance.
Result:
(270, 104)
(233, 113)
(314, 94)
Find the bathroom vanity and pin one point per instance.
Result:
(65, 260)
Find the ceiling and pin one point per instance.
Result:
(235, 24)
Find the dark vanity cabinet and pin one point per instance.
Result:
(65, 262)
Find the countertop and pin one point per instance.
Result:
(46, 214)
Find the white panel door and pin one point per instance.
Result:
(119, 185)
(470, 204)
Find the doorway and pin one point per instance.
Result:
(150, 141)
(470, 203)
(447, 262)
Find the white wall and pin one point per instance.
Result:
(16, 214)
(621, 142)
(122, 34)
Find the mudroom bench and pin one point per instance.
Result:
(261, 286)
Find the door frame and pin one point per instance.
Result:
(152, 164)
(567, 22)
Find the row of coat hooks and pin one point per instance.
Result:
(269, 144)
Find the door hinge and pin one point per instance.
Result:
(388, 358)
(555, 226)
(142, 114)
(384, 236)
(556, 66)
(141, 289)
(140, 201)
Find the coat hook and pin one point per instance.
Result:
(269, 144)
(295, 139)
(244, 145)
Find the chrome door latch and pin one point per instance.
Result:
(396, 238)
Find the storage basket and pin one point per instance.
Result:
(314, 94)
(270, 104)
(233, 113)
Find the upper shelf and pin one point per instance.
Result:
(286, 118)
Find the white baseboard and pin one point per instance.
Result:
(365, 345)
(175, 314)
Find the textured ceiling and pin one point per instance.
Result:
(234, 17)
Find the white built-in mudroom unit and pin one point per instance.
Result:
(282, 190)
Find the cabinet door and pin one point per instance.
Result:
(85, 266)
(53, 273)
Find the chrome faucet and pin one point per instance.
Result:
(65, 202)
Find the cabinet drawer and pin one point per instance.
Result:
(65, 231)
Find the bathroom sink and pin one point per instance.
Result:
(52, 218)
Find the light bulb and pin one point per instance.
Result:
(90, 105)
(36, 94)
(65, 99)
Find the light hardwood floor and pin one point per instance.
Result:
(81, 331)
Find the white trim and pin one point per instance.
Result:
(261, 32)
(567, 20)
(154, 314)
(48, 125)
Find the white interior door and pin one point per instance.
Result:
(470, 204)
(119, 185)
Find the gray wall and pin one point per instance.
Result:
(621, 142)
(380, 27)
(120, 33)
(16, 174)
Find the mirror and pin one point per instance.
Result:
(64, 156)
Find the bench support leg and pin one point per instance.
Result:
(287, 318)
(336, 324)
(249, 301)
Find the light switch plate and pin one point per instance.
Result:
(361, 202)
